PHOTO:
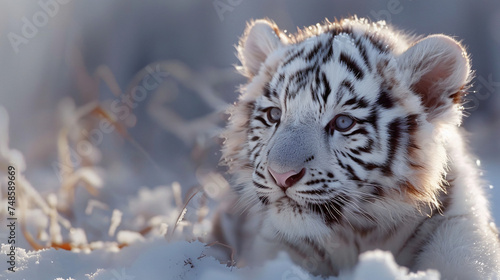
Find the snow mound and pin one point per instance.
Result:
(160, 259)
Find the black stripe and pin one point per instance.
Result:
(361, 103)
(394, 130)
(260, 186)
(338, 160)
(310, 55)
(293, 57)
(377, 43)
(315, 182)
(314, 93)
(368, 148)
(299, 78)
(371, 166)
(352, 172)
(254, 148)
(329, 54)
(321, 191)
(287, 91)
(317, 82)
(385, 100)
(267, 92)
(326, 84)
(412, 123)
(352, 66)
(306, 71)
(257, 154)
(264, 200)
(357, 131)
(362, 51)
(365, 165)
(355, 151)
(255, 138)
(260, 175)
(347, 85)
(281, 79)
(371, 119)
(261, 119)
(350, 101)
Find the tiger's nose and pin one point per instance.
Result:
(287, 179)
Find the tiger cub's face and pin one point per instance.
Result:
(343, 124)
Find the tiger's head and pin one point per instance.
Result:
(344, 123)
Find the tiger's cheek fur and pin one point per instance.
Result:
(235, 148)
(424, 155)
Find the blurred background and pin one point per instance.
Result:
(137, 89)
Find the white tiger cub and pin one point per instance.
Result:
(346, 139)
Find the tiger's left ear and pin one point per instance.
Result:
(261, 38)
(437, 68)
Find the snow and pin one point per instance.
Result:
(159, 259)
(382, 264)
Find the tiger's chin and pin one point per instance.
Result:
(292, 222)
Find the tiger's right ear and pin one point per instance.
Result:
(260, 39)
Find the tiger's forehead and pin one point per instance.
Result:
(323, 71)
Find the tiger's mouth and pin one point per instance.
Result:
(330, 211)
(287, 201)
(295, 217)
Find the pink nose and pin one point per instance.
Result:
(287, 179)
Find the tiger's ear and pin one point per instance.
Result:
(437, 68)
(261, 38)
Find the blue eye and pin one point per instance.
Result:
(343, 123)
(274, 114)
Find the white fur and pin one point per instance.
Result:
(433, 189)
